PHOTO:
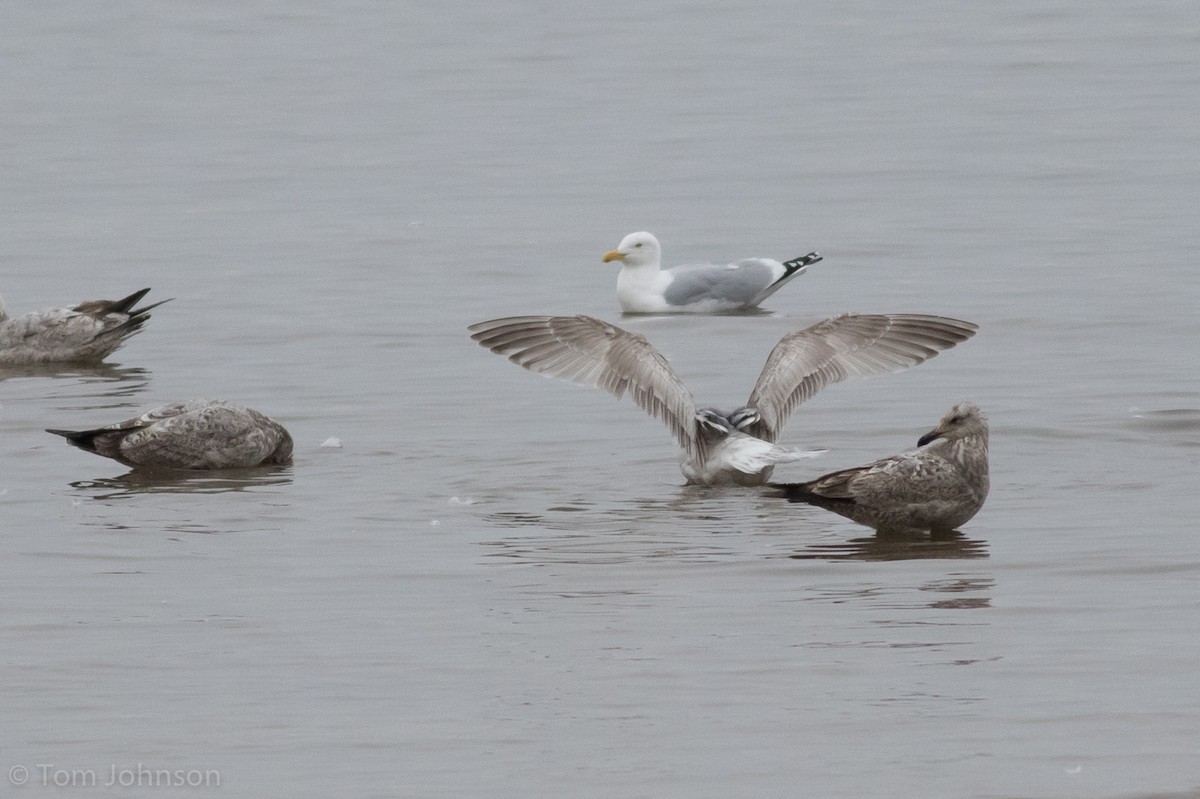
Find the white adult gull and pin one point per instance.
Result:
(736, 447)
(86, 333)
(643, 286)
(199, 434)
(935, 488)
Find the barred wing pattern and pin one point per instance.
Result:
(835, 349)
(590, 352)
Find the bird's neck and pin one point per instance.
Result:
(967, 450)
(645, 268)
(640, 288)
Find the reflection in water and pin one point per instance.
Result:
(174, 530)
(184, 482)
(72, 381)
(699, 523)
(589, 549)
(959, 586)
(555, 543)
(701, 506)
(961, 591)
(954, 545)
(691, 526)
(709, 527)
(100, 388)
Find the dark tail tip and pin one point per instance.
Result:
(792, 492)
(84, 439)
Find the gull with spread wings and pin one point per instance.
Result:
(736, 447)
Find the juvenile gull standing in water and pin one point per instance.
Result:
(86, 333)
(934, 488)
(737, 447)
(199, 434)
(643, 286)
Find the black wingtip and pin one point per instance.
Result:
(145, 308)
(137, 318)
(84, 439)
(125, 303)
(802, 261)
(76, 438)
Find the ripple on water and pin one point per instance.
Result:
(223, 481)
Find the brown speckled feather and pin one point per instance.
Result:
(200, 434)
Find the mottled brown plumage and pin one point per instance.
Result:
(199, 434)
(935, 488)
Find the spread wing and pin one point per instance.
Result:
(841, 347)
(591, 352)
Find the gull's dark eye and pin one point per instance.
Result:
(639, 244)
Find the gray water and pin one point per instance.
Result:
(498, 586)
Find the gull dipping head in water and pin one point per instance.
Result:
(199, 434)
(86, 333)
(934, 488)
(737, 447)
(643, 286)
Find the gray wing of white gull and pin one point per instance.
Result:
(739, 283)
(591, 352)
(199, 434)
(850, 345)
(84, 334)
(746, 282)
(937, 487)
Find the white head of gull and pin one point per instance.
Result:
(643, 286)
(86, 333)
(199, 434)
(736, 447)
(935, 488)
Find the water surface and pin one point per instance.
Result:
(499, 585)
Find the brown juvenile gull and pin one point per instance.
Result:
(934, 488)
(720, 447)
(199, 434)
(86, 333)
(643, 286)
